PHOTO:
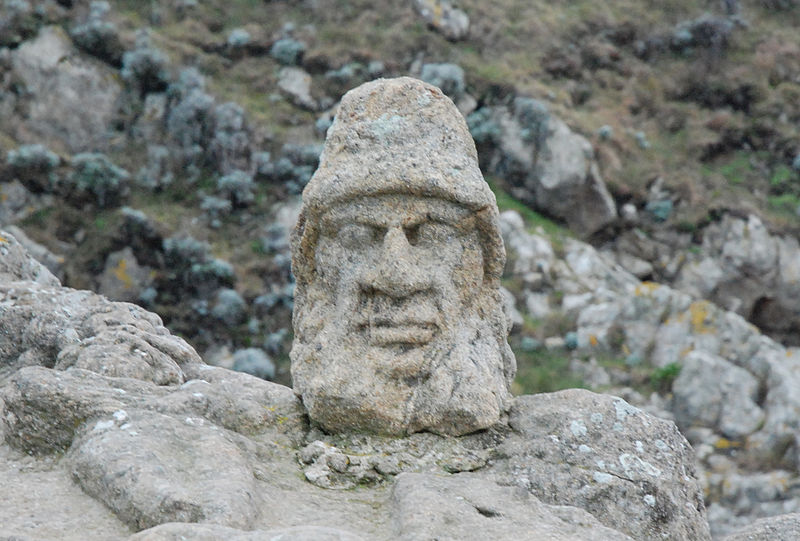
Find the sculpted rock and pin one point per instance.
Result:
(397, 253)
(400, 338)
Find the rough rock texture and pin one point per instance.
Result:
(207, 532)
(452, 22)
(71, 99)
(466, 506)
(398, 316)
(783, 527)
(745, 268)
(209, 453)
(548, 165)
(587, 450)
(733, 396)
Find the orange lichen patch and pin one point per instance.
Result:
(700, 313)
(724, 443)
(646, 288)
(3, 197)
(686, 351)
(593, 340)
(4, 240)
(121, 272)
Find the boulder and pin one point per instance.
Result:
(546, 164)
(450, 21)
(784, 527)
(467, 506)
(72, 98)
(587, 450)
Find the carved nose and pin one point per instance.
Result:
(396, 273)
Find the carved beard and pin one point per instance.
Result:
(454, 384)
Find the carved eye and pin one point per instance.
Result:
(358, 235)
(430, 234)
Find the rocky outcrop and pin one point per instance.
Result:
(172, 447)
(732, 395)
(546, 164)
(70, 99)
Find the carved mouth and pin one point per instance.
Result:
(387, 321)
(413, 333)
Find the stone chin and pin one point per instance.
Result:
(452, 385)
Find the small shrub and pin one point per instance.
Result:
(662, 378)
(215, 208)
(229, 307)
(237, 187)
(230, 145)
(534, 118)
(239, 38)
(483, 127)
(288, 51)
(94, 174)
(18, 24)
(254, 361)
(34, 166)
(99, 37)
(156, 174)
(189, 121)
(145, 68)
(448, 77)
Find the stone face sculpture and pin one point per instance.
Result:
(398, 317)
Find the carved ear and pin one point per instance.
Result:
(303, 241)
(494, 251)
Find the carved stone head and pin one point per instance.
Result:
(397, 254)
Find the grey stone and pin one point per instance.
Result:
(465, 507)
(550, 166)
(178, 531)
(452, 22)
(16, 264)
(397, 253)
(295, 84)
(710, 391)
(587, 450)
(780, 528)
(39, 252)
(71, 102)
(151, 468)
(123, 278)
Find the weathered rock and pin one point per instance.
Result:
(151, 468)
(71, 102)
(547, 164)
(587, 450)
(466, 506)
(398, 318)
(783, 528)
(87, 331)
(295, 83)
(123, 278)
(714, 393)
(452, 22)
(16, 263)
(211, 532)
(39, 252)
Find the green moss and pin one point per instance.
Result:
(543, 371)
(662, 378)
(505, 201)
